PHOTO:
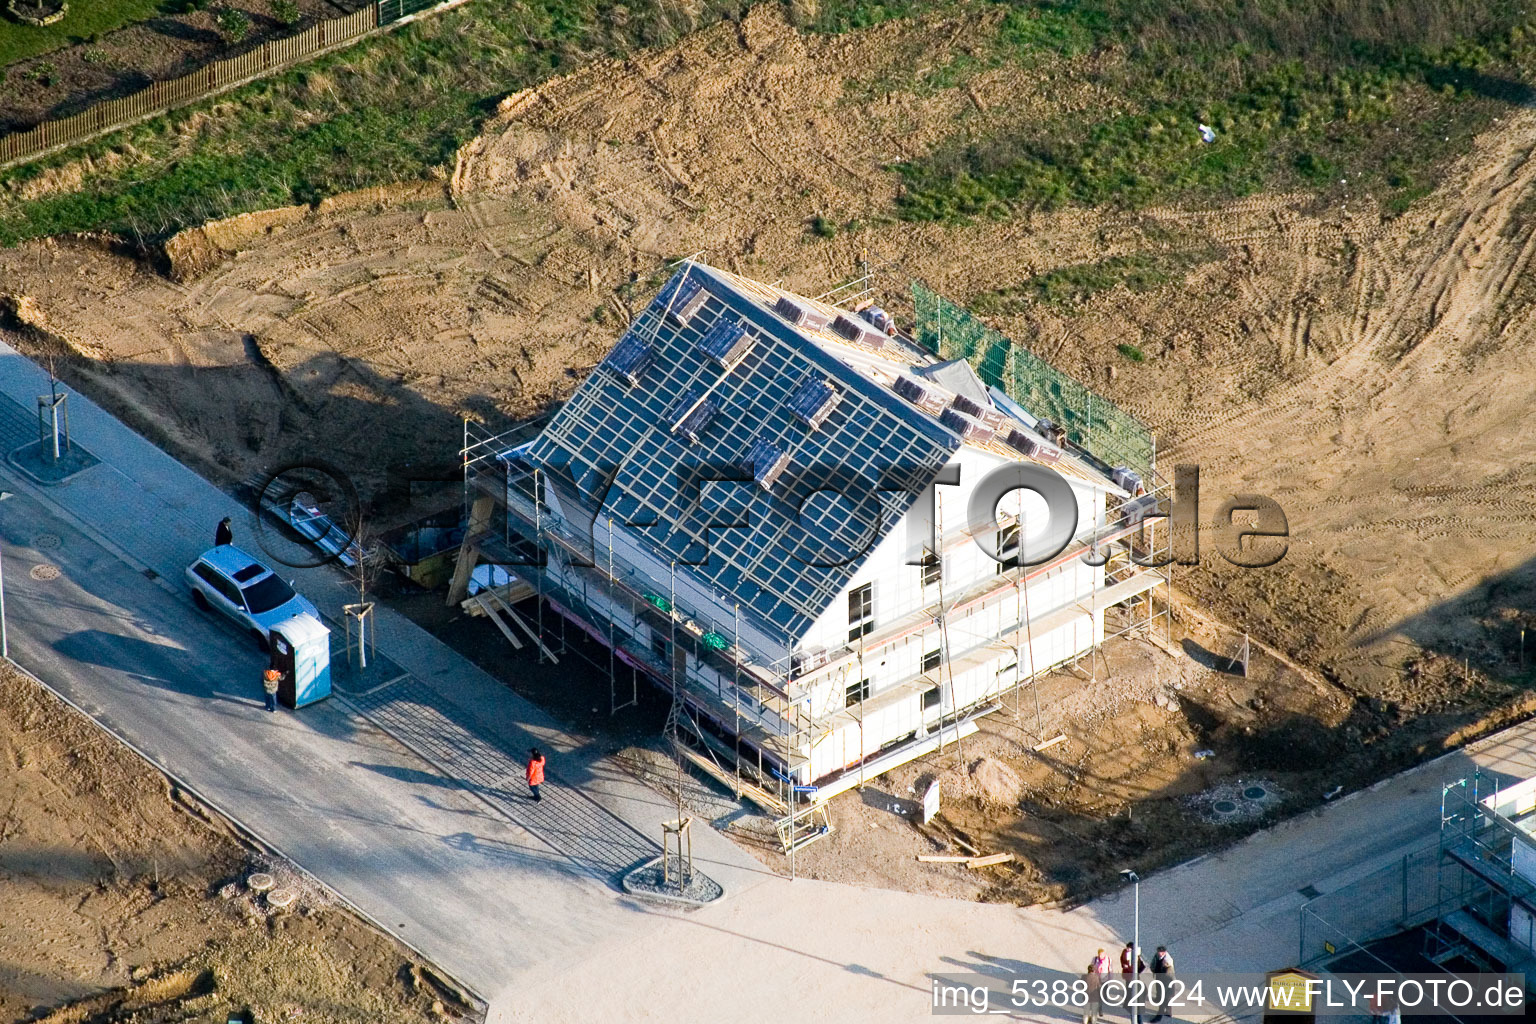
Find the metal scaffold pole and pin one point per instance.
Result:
(1029, 635)
(792, 826)
(1018, 609)
(613, 693)
(948, 671)
(538, 540)
(736, 696)
(863, 680)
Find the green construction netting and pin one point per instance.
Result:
(1091, 421)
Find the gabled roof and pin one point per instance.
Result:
(799, 547)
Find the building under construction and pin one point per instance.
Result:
(763, 504)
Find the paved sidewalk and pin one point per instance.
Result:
(578, 826)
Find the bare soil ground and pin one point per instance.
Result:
(1370, 373)
(125, 899)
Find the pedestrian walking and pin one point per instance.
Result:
(535, 772)
(1093, 1009)
(269, 680)
(1162, 972)
(223, 535)
(1129, 957)
(1384, 1009)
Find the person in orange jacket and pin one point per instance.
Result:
(535, 772)
(269, 682)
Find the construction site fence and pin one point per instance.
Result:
(219, 76)
(1091, 421)
(1404, 894)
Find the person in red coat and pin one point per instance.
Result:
(535, 772)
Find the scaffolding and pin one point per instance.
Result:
(1479, 885)
(1458, 893)
(750, 725)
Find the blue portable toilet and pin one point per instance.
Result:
(301, 651)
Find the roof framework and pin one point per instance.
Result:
(729, 378)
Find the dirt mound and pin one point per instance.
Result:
(995, 782)
(195, 251)
(25, 313)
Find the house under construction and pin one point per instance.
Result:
(761, 502)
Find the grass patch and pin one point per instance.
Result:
(86, 21)
(1131, 352)
(834, 16)
(1073, 285)
(1301, 93)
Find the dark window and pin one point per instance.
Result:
(931, 698)
(1007, 547)
(661, 646)
(267, 593)
(249, 573)
(219, 582)
(932, 660)
(932, 569)
(856, 692)
(861, 611)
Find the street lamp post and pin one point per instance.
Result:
(1135, 880)
(5, 647)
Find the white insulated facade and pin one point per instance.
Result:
(878, 690)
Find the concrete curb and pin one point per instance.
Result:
(644, 893)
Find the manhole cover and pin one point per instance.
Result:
(279, 898)
(1255, 793)
(1224, 807)
(45, 572)
(260, 881)
(46, 542)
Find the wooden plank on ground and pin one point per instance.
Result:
(989, 860)
(519, 621)
(742, 788)
(509, 593)
(1050, 743)
(943, 858)
(490, 613)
